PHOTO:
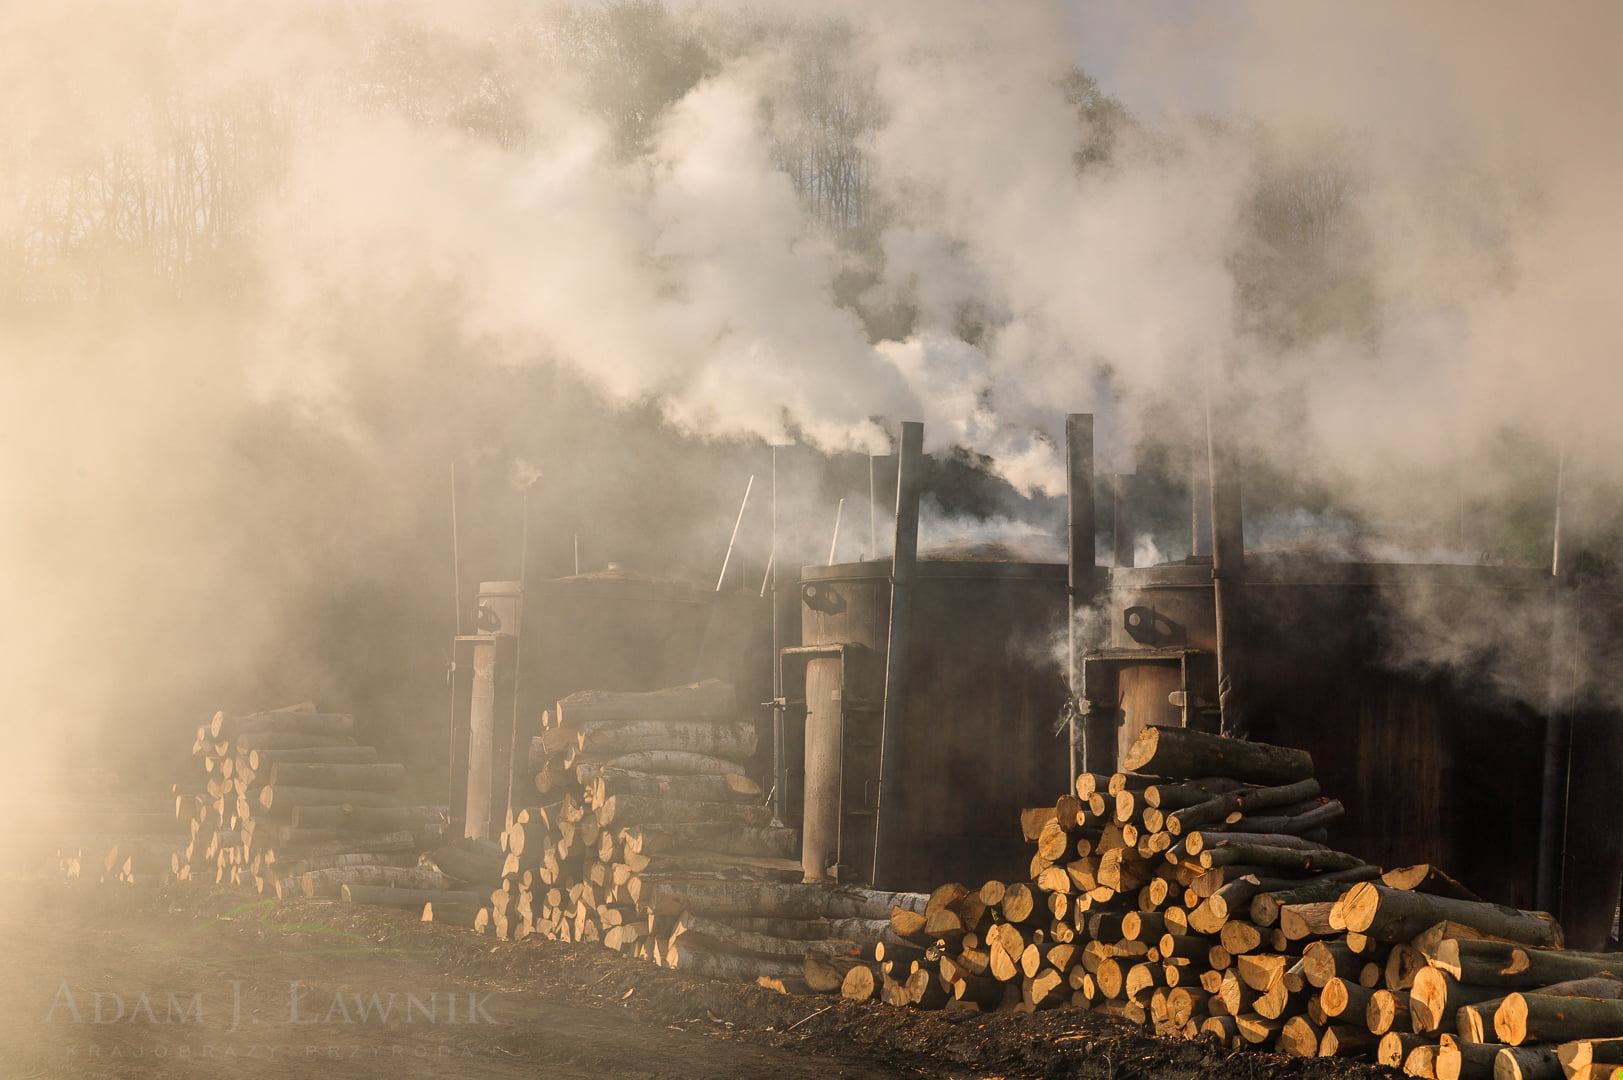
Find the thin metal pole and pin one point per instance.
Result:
(834, 544)
(1556, 566)
(451, 680)
(780, 749)
(1081, 576)
(518, 646)
(730, 543)
(873, 510)
(1228, 578)
(577, 554)
(456, 555)
(1123, 533)
(898, 651)
(1547, 885)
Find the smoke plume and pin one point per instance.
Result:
(265, 271)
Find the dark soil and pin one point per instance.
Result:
(545, 1009)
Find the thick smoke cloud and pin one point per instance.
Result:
(267, 269)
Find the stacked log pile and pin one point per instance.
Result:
(1196, 894)
(652, 839)
(125, 839)
(288, 803)
(635, 789)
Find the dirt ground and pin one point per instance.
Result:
(119, 983)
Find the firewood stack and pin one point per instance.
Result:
(1196, 894)
(290, 804)
(636, 788)
(124, 839)
(653, 840)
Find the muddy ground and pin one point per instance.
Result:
(190, 982)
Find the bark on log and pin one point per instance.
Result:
(1422, 1061)
(364, 819)
(1171, 797)
(798, 929)
(694, 701)
(1560, 965)
(1244, 801)
(1326, 960)
(1475, 1022)
(720, 898)
(1523, 1018)
(706, 787)
(1322, 813)
(1260, 971)
(1426, 878)
(1387, 914)
(859, 983)
(1257, 1030)
(1395, 1047)
(260, 761)
(702, 963)
(713, 935)
(1585, 1052)
(328, 882)
(357, 858)
(1346, 999)
(1479, 962)
(409, 897)
(675, 763)
(1527, 1063)
(1403, 963)
(1181, 753)
(1265, 906)
(310, 843)
(1301, 921)
(289, 723)
(1387, 1010)
(464, 865)
(736, 740)
(641, 809)
(1436, 997)
(1458, 1060)
(382, 776)
(707, 863)
(1345, 1040)
(906, 923)
(1299, 1038)
(280, 800)
(289, 740)
(1202, 840)
(824, 974)
(1284, 858)
(1429, 939)
(723, 837)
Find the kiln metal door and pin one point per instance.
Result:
(1145, 690)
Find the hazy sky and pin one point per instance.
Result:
(1159, 55)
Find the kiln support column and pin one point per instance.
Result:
(1228, 579)
(1093, 717)
(897, 654)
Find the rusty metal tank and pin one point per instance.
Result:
(1422, 757)
(621, 629)
(978, 741)
(610, 629)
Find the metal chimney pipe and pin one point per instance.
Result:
(1122, 514)
(1081, 578)
(780, 760)
(1563, 677)
(898, 651)
(1228, 578)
